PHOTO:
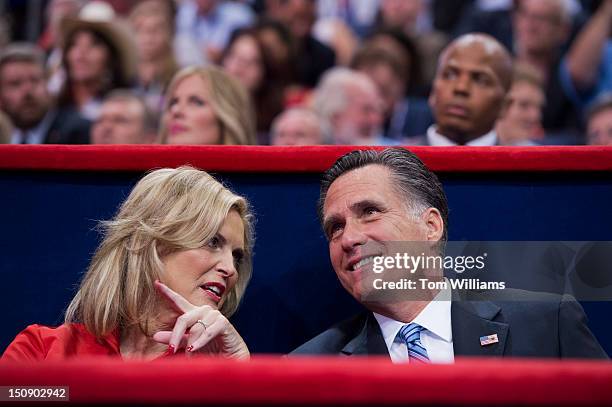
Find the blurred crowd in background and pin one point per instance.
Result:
(306, 72)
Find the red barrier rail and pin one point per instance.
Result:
(322, 381)
(295, 159)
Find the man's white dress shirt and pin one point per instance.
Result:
(437, 338)
(438, 140)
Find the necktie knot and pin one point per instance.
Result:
(411, 332)
(411, 335)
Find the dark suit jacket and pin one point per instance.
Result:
(313, 59)
(410, 119)
(526, 325)
(67, 127)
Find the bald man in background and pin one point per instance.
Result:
(297, 127)
(124, 119)
(473, 76)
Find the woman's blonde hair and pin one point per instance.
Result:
(229, 100)
(167, 211)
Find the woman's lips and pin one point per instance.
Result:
(214, 297)
(177, 128)
(213, 290)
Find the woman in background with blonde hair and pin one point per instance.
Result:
(173, 266)
(204, 105)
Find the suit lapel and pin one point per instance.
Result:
(52, 132)
(369, 341)
(472, 320)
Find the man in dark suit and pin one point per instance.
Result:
(370, 201)
(26, 101)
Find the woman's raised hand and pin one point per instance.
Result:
(200, 329)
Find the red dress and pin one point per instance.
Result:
(38, 343)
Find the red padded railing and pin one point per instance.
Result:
(295, 159)
(330, 381)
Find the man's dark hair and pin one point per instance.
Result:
(410, 56)
(369, 56)
(419, 186)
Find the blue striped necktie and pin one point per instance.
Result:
(411, 335)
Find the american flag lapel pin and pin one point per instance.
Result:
(488, 340)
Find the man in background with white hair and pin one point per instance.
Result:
(350, 108)
(541, 28)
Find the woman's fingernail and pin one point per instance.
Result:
(171, 349)
(189, 349)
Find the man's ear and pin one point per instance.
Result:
(434, 223)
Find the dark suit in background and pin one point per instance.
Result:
(313, 59)
(67, 127)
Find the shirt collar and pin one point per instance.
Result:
(438, 140)
(435, 317)
(35, 135)
(16, 136)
